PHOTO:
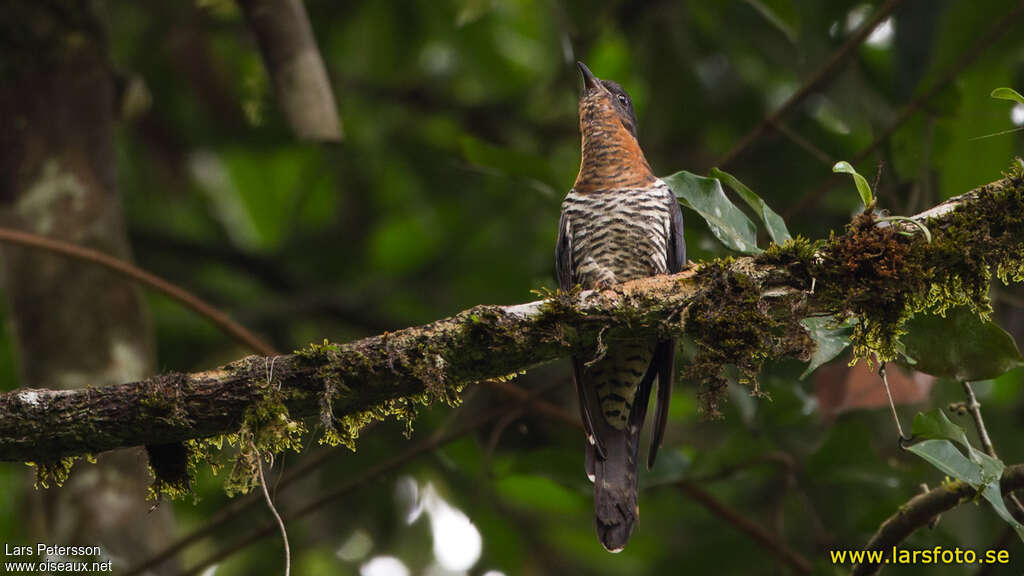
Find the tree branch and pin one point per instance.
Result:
(986, 40)
(221, 320)
(813, 84)
(293, 60)
(920, 509)
(753, 302)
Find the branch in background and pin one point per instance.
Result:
(974, 409)
(692, 488)
(814, 83)
(374, 472)
(231, 328)
(756, 532)
(920, 509)
(525, 398)
(1001, 27)
(365, 378)
(293, 60)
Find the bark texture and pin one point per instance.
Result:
(738, 312)
(74, 325)
(291, 56)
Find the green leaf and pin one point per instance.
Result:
(773, 223)
(862, 185)
(1005, 93)
(919, 225)
(706, 197)
(939, 448)
(960, 346)
(935, 425)
(943, 455)
(830, 341)
(994, 495)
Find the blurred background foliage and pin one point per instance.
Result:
(461, 140)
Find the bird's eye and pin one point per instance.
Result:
(623, 100)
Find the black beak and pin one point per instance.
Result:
(589, 80)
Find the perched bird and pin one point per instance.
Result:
(619, 222)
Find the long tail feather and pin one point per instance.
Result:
(615, 489)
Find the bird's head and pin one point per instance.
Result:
(604, 101)
(611, 155)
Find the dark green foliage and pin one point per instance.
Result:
(461, 139)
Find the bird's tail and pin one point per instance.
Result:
(615, 486)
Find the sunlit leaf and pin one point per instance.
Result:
(773, 223)
(960, 345)
(862, 185)
(1005, 93)
(830, 341)
(706, 197)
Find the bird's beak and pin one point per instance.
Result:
(589, 80)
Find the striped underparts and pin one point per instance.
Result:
(619, 235)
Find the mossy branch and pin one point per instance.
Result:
(738, 312)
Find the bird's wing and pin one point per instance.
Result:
(563, 255)
(665, 353)
(566, 281)
(677, 243)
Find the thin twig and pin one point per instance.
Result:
(1002, 26)
(756, 532)
(538, 405)
(231, 328)
(974, 409)
(720, 509)
(892, 405)
(814, 83)
(802, 142)
(273, 510)
(368, 475)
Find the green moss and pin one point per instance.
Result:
(734, 334)
(267, 429)
(871, 272)
(798, 250)
(344, 431)
(52, 473)
(317, 352)
(883, 278)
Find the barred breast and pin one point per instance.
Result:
(619, 235)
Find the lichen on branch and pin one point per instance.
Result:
(738, 313)
(882, 275)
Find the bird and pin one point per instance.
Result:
(619, 222)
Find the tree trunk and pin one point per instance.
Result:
(73, 324)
